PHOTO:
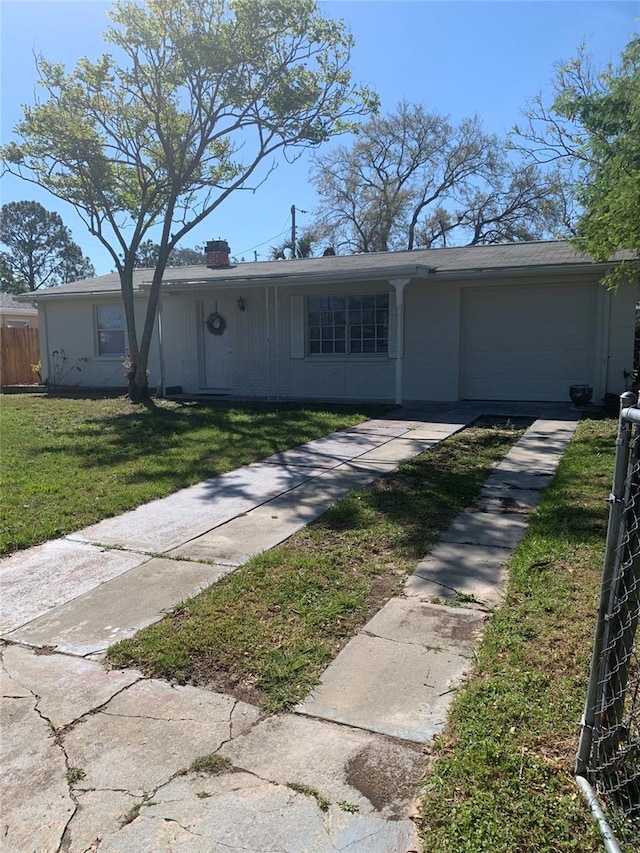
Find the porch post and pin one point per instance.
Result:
(399, 285)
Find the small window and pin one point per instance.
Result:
(110, 327)
(341, 325)
(17, 324)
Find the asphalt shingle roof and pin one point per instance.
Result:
(463, 260)
(8, 302)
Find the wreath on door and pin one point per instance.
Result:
(215, 323)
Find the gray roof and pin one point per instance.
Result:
(8, 302)
(465, 260)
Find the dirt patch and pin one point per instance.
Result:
(387, 778)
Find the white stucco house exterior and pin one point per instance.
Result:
(519, 321)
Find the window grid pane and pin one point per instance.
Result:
(348, 325)
(110, 328)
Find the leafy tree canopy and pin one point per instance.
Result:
(592, 130)
(196, 96)
(40, 251)
(413, 180)
(149, 252)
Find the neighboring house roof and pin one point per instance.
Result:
(10, 305)
(460, 261)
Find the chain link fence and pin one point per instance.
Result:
(608, 762)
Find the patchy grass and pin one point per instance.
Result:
(211, 763)
(266, 632)
(69, 462)
(502, 775)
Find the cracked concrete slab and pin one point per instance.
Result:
(35, 803)
(99, 815)
(67, 687)
(455, 571)
(38, 579)
(237, 812)
(428, 625)
(163, 524)
(118, 608)
(376, 774)
(418, 687)
(166, 728)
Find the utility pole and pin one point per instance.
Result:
(293, 229)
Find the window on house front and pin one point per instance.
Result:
(341, 325)
(17, 324)
(110, 328)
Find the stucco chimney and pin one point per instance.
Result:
(217, 254)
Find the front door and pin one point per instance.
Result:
(217, 332)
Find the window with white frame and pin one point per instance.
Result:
(348, 325)
(110, 330)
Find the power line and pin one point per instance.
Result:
(264, 243)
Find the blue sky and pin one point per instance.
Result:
(457, 57)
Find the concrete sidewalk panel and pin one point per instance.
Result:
(36, 580)
(429, 625)
(235, 542)
(454, 570)
(435, 431)
(151, 731)
(35, 802)
(329, 450)
(393, 428)
(398, 689)
(117, 609)
(67, 687)
(237, 812)
(398, 450)
(163, 524)
(504, 498)
(375, 773)
(492, 529)
(517, 479)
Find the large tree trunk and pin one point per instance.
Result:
(138, 378)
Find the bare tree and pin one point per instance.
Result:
(412, 179)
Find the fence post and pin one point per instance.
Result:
(615, 500)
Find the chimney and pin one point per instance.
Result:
(217, 254)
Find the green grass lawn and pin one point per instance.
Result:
(501, 777)
(66, 463)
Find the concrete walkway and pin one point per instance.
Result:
(96, 760)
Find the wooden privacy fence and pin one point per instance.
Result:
(19, 349)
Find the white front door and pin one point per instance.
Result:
(218, 335)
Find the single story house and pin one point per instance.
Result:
(518, 321)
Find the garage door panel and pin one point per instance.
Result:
(526, 342)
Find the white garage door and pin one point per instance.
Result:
(527, 342)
